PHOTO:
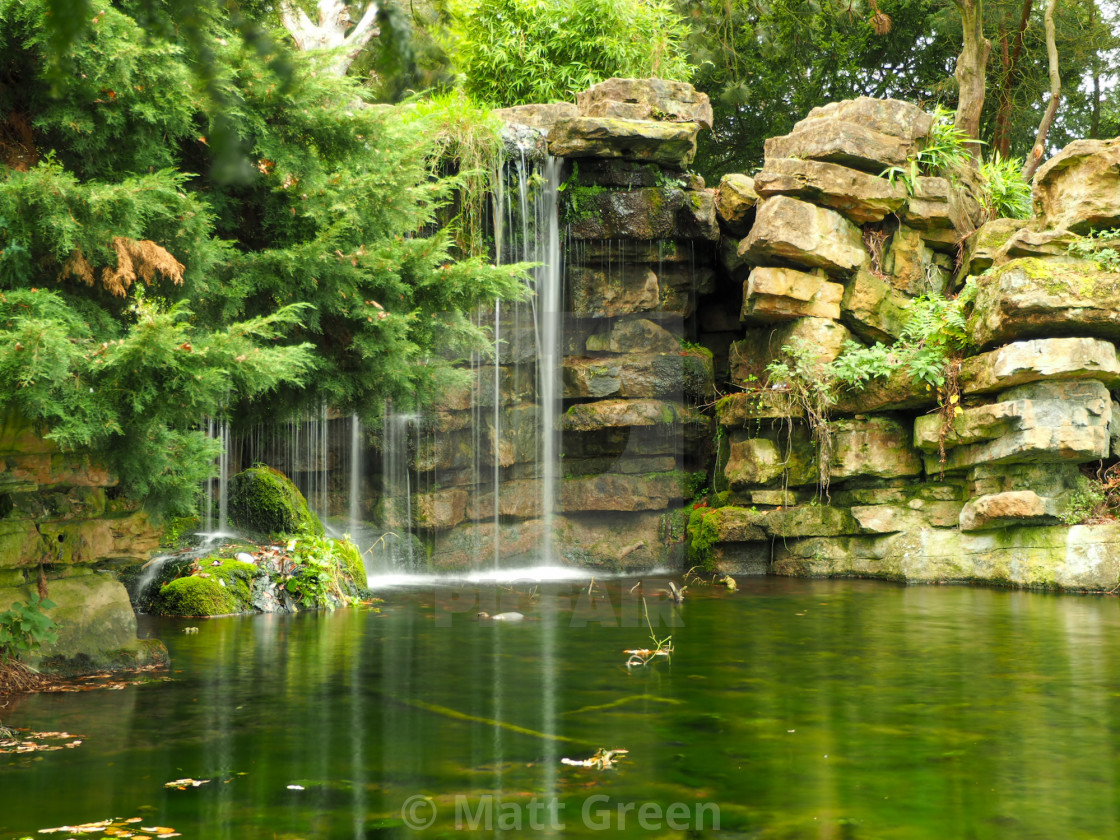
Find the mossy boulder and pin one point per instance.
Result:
(264, 501)
(196, 596)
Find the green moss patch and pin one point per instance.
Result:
(196, 596)
(264, 501)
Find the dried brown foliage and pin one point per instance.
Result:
(17, 142)
(136, 258)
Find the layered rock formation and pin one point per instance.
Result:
(62, 532)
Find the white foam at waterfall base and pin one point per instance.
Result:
(523, 574)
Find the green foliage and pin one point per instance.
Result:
(177, 290)
(1007, 195)
(1084, 501)
(24, 628)
(264, 502)
(520, 51)
(1100, 246)
(328, 572)
(944, 153)
(935, 330)
(702, 534)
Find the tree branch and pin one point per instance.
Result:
(1055, 95)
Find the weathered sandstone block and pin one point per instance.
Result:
(1079, 188)
(858, 196)
(1044, 358)
(644, 214)
(782, 294)
(1017, 507)
(788, 230)
(1030, 297)
(646, 99)
(735, 204)
(864, 133)
(670, 144)
(1041, 422)
(872, 309)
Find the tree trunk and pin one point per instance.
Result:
(971, 68)
(1055, 95)
(1009, 61)
(330, 32)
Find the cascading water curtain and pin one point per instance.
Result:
(527, 229)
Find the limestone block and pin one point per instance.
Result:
(739, 410)
(742, 559)
(736, 524)
(1043, 358)
(897, 391)
(626, 414)
(21, 544)
(912, 267)
(634, 335)
(859, 196)
(1081, 558)
(810, 520)
(93, 615)
(887, 519)
(986, 243)
(540, 116)
(1079, 188)
(639, 375)
(623, 464)
(670, 144)
(1031, 298)
(1051, 480)
(878, 447)
(867, 134)
(624, 290)
(762, 345)
(735, 202)
(756, 460)
(439, 509)
(517, 499)
(646, 99)
(1001, 240)
(1044, 422)
(787, 229)
(872, 309)
(1017, 507)
(621, 492)
(648, 213)
(782, 294)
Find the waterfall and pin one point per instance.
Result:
(527, 229)
(223, 480)
(354, 511)
(396, 488)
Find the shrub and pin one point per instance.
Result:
(1007, 195)
(519, 51)
(24, 628)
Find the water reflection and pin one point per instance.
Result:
(800, 709)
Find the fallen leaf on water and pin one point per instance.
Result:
(183, 784)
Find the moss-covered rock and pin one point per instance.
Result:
(263, 501)
(196, 596)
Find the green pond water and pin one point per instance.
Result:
(789, 709)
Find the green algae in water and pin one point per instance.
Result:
(802, 709)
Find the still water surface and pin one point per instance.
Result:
(793, 709)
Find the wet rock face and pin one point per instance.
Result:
(1079, 188)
